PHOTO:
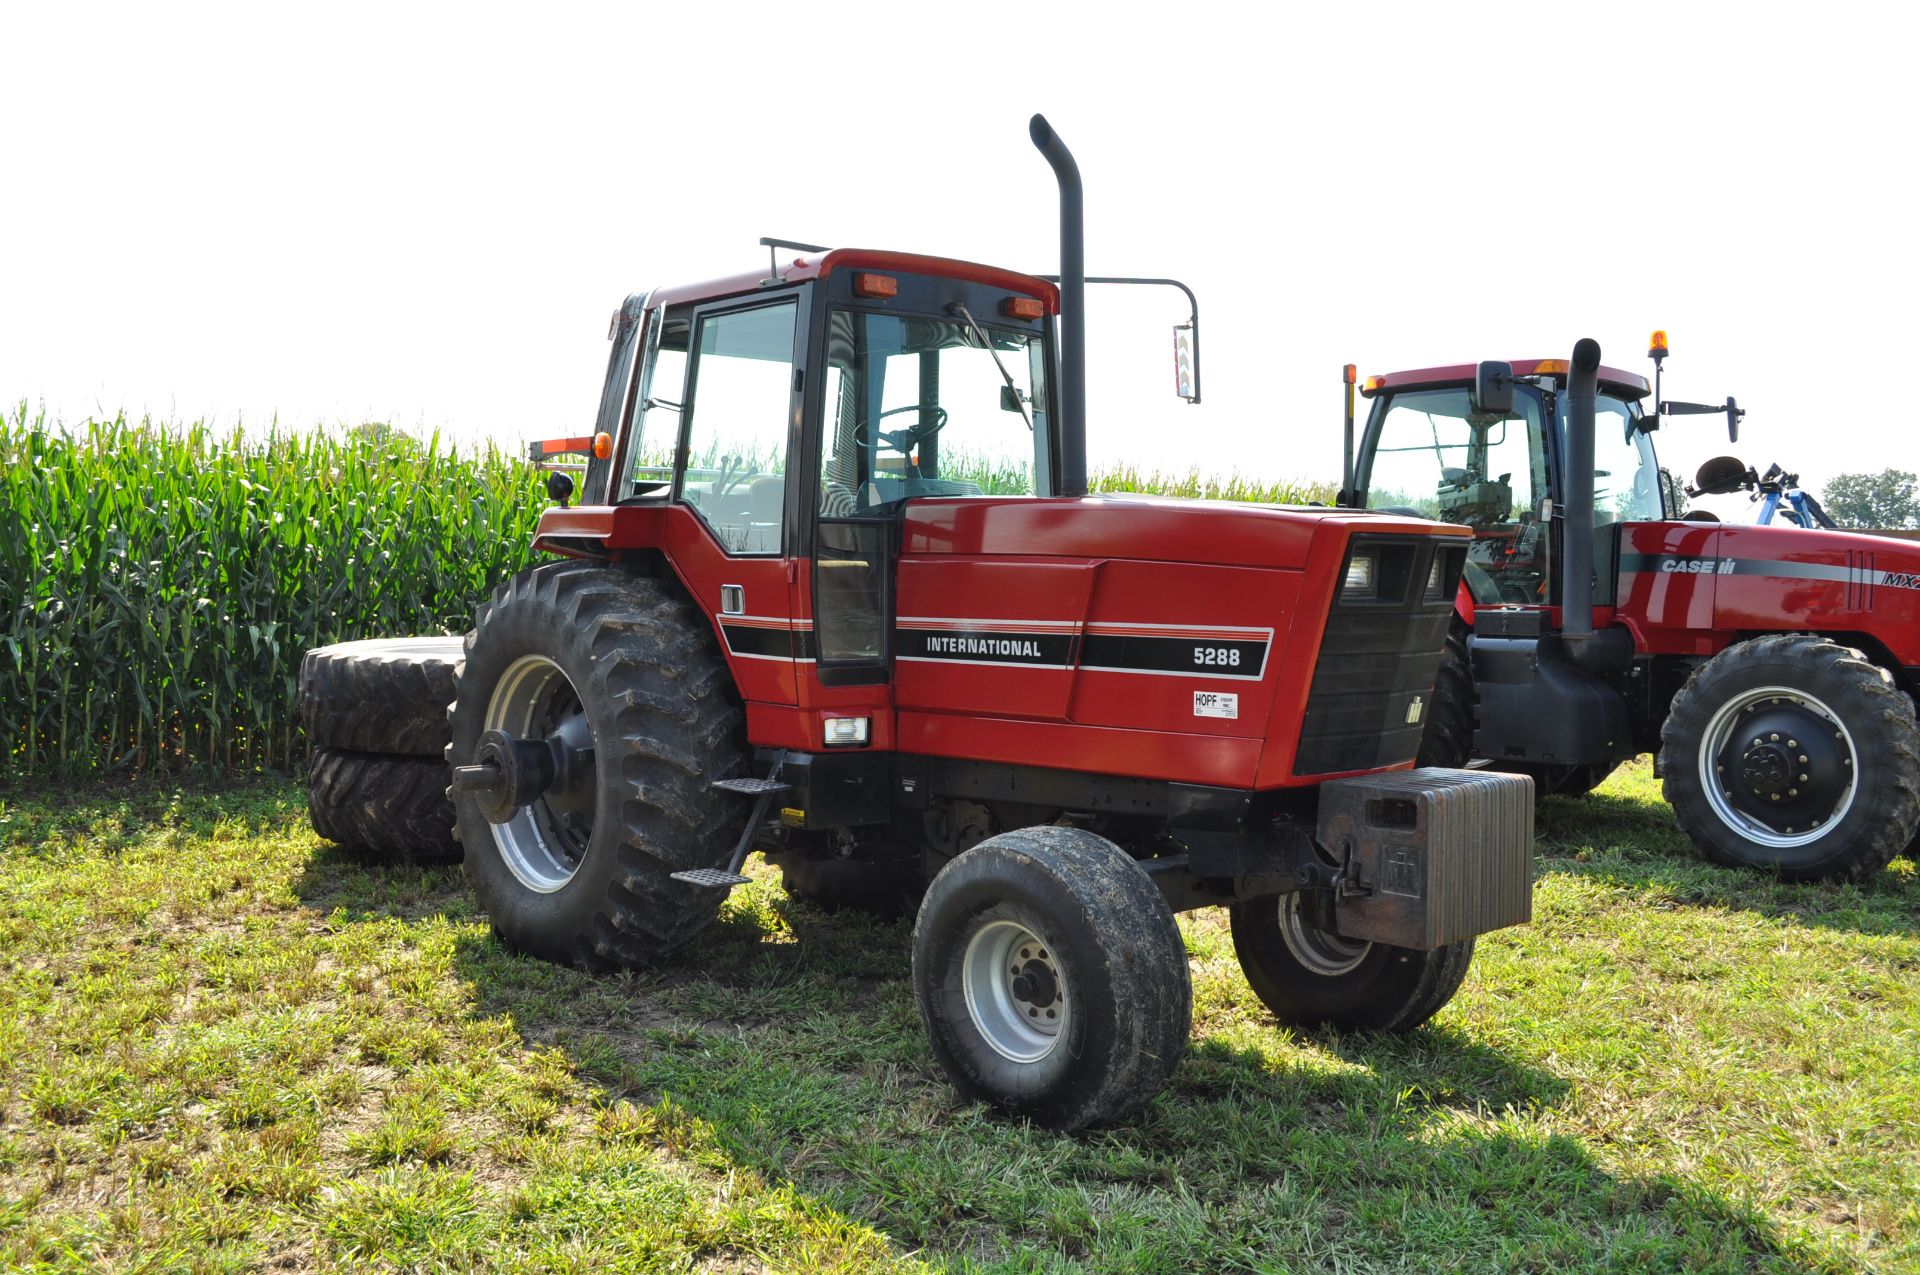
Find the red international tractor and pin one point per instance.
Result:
(835, 590)
(1770, 670)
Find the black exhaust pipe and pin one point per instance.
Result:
(1073, 312)
(1594, 652)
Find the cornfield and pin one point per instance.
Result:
(159, 583)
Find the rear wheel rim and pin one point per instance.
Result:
(543, 843)
(1325, 954)
(1779, 767)
(1016, 991)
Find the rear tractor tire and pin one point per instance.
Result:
(383, 695)
(1051, 977)
(1309, 978)
(594, 715)
(1447, 739)
(1794, 754)
(389, 807)
(885, 888)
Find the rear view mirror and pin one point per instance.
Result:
(1720, 475)
(1493, 388)
(1009, 399)
(1734, 413)
(1185, 382)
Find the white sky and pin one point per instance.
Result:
(345, 213)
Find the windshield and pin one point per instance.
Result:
(1437, 456)
(920, 407)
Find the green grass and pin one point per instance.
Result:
(227, 1046)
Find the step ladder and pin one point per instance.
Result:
(763, 791)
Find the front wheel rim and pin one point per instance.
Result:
(1016, 991)
(1326, 954)
(544, 842)
(1779, 767)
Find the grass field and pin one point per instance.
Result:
(227, 1046)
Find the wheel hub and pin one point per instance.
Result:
(533, 774)
(1784, 765)
(1778, 766)
(1015, 991)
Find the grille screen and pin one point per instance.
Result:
(1378, 655)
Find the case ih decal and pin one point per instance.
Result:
(1855, 574)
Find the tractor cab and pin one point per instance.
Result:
(1433, 450)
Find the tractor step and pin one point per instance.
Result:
(710, 876)
(750, 787)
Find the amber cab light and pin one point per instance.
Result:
(602, 446)
(876, 285)
(1374, 385)
(1657, 344)
(1023, 308)
(1551, 367)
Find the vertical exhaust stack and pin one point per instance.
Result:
(1576, 540)
(1073, 311)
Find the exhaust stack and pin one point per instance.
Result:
(1594, 652)
(1073, 312)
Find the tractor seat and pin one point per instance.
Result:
(1699, 515)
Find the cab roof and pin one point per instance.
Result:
(818, 265)
(1626, 384)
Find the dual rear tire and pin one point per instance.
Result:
(375, 714)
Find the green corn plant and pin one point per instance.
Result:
(160, 582)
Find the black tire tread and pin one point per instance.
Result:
(392, 807)
(885, 888)
(656, 669)
(1373, 998)
(1448, 737)
(1881, 705)
(383, 695)
(1147, 969)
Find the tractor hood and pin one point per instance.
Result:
(1144, 528)
(1748, 579)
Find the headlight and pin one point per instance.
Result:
(1360, 577)
(1437, 578)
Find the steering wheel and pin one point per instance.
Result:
(903, 440)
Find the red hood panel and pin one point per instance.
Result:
(1144, 528)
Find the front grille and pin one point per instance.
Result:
(1377, 656)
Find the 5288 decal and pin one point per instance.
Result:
(1216, 656)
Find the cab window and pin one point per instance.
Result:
(1626, 477)
(1437, 456)
(740, 405)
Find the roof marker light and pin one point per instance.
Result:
(875, 285)
(1023, 308)
(1374, 385)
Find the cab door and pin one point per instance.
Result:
(739, 424)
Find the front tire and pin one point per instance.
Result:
(1794, 754)
(1310, 978)
(1052, 978)
(621, 667)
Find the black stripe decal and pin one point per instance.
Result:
(996, 646)
(748, 639)
(1201, 655)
